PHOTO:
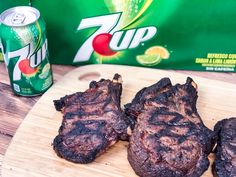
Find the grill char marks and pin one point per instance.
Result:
(92, 121)
(134, 108)
(225, 163)
(169, 138)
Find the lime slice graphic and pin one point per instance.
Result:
(148, 60)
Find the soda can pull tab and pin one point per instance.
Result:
(18, 18)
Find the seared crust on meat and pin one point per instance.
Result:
(92, 121)
(225, 162)
(169, 138)
(134, 108)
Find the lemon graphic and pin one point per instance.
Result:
(158, 50)
(45, 71)
(1, 56)
(149, 60)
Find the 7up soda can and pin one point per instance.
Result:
(25, 49)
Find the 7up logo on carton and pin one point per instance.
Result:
(108, 39)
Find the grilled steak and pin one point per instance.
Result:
(169, 138)
(134, 108)
(92, 121)
(225, 162)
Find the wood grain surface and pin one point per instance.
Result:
(31, 154)
(13, 108)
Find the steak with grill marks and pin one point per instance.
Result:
(225, 162)
(92, 121)
(169, 138)
(134, 108)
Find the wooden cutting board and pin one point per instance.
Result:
(30, 152)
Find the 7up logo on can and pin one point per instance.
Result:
(28, 61)
(108, 39)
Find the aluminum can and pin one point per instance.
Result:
(25, 50)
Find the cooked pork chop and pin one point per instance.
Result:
(169, 138)
(225, 162)
(92, 121)
(134, 108)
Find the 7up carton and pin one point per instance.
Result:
(167, 34)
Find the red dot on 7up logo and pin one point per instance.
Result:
(108, 39)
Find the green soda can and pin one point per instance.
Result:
(25, 49)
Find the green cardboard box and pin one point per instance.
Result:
(167, 34)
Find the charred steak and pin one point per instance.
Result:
(92, 121)
(169, 138)
(225, 163)
(134, 108)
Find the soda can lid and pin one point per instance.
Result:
(19, 16)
